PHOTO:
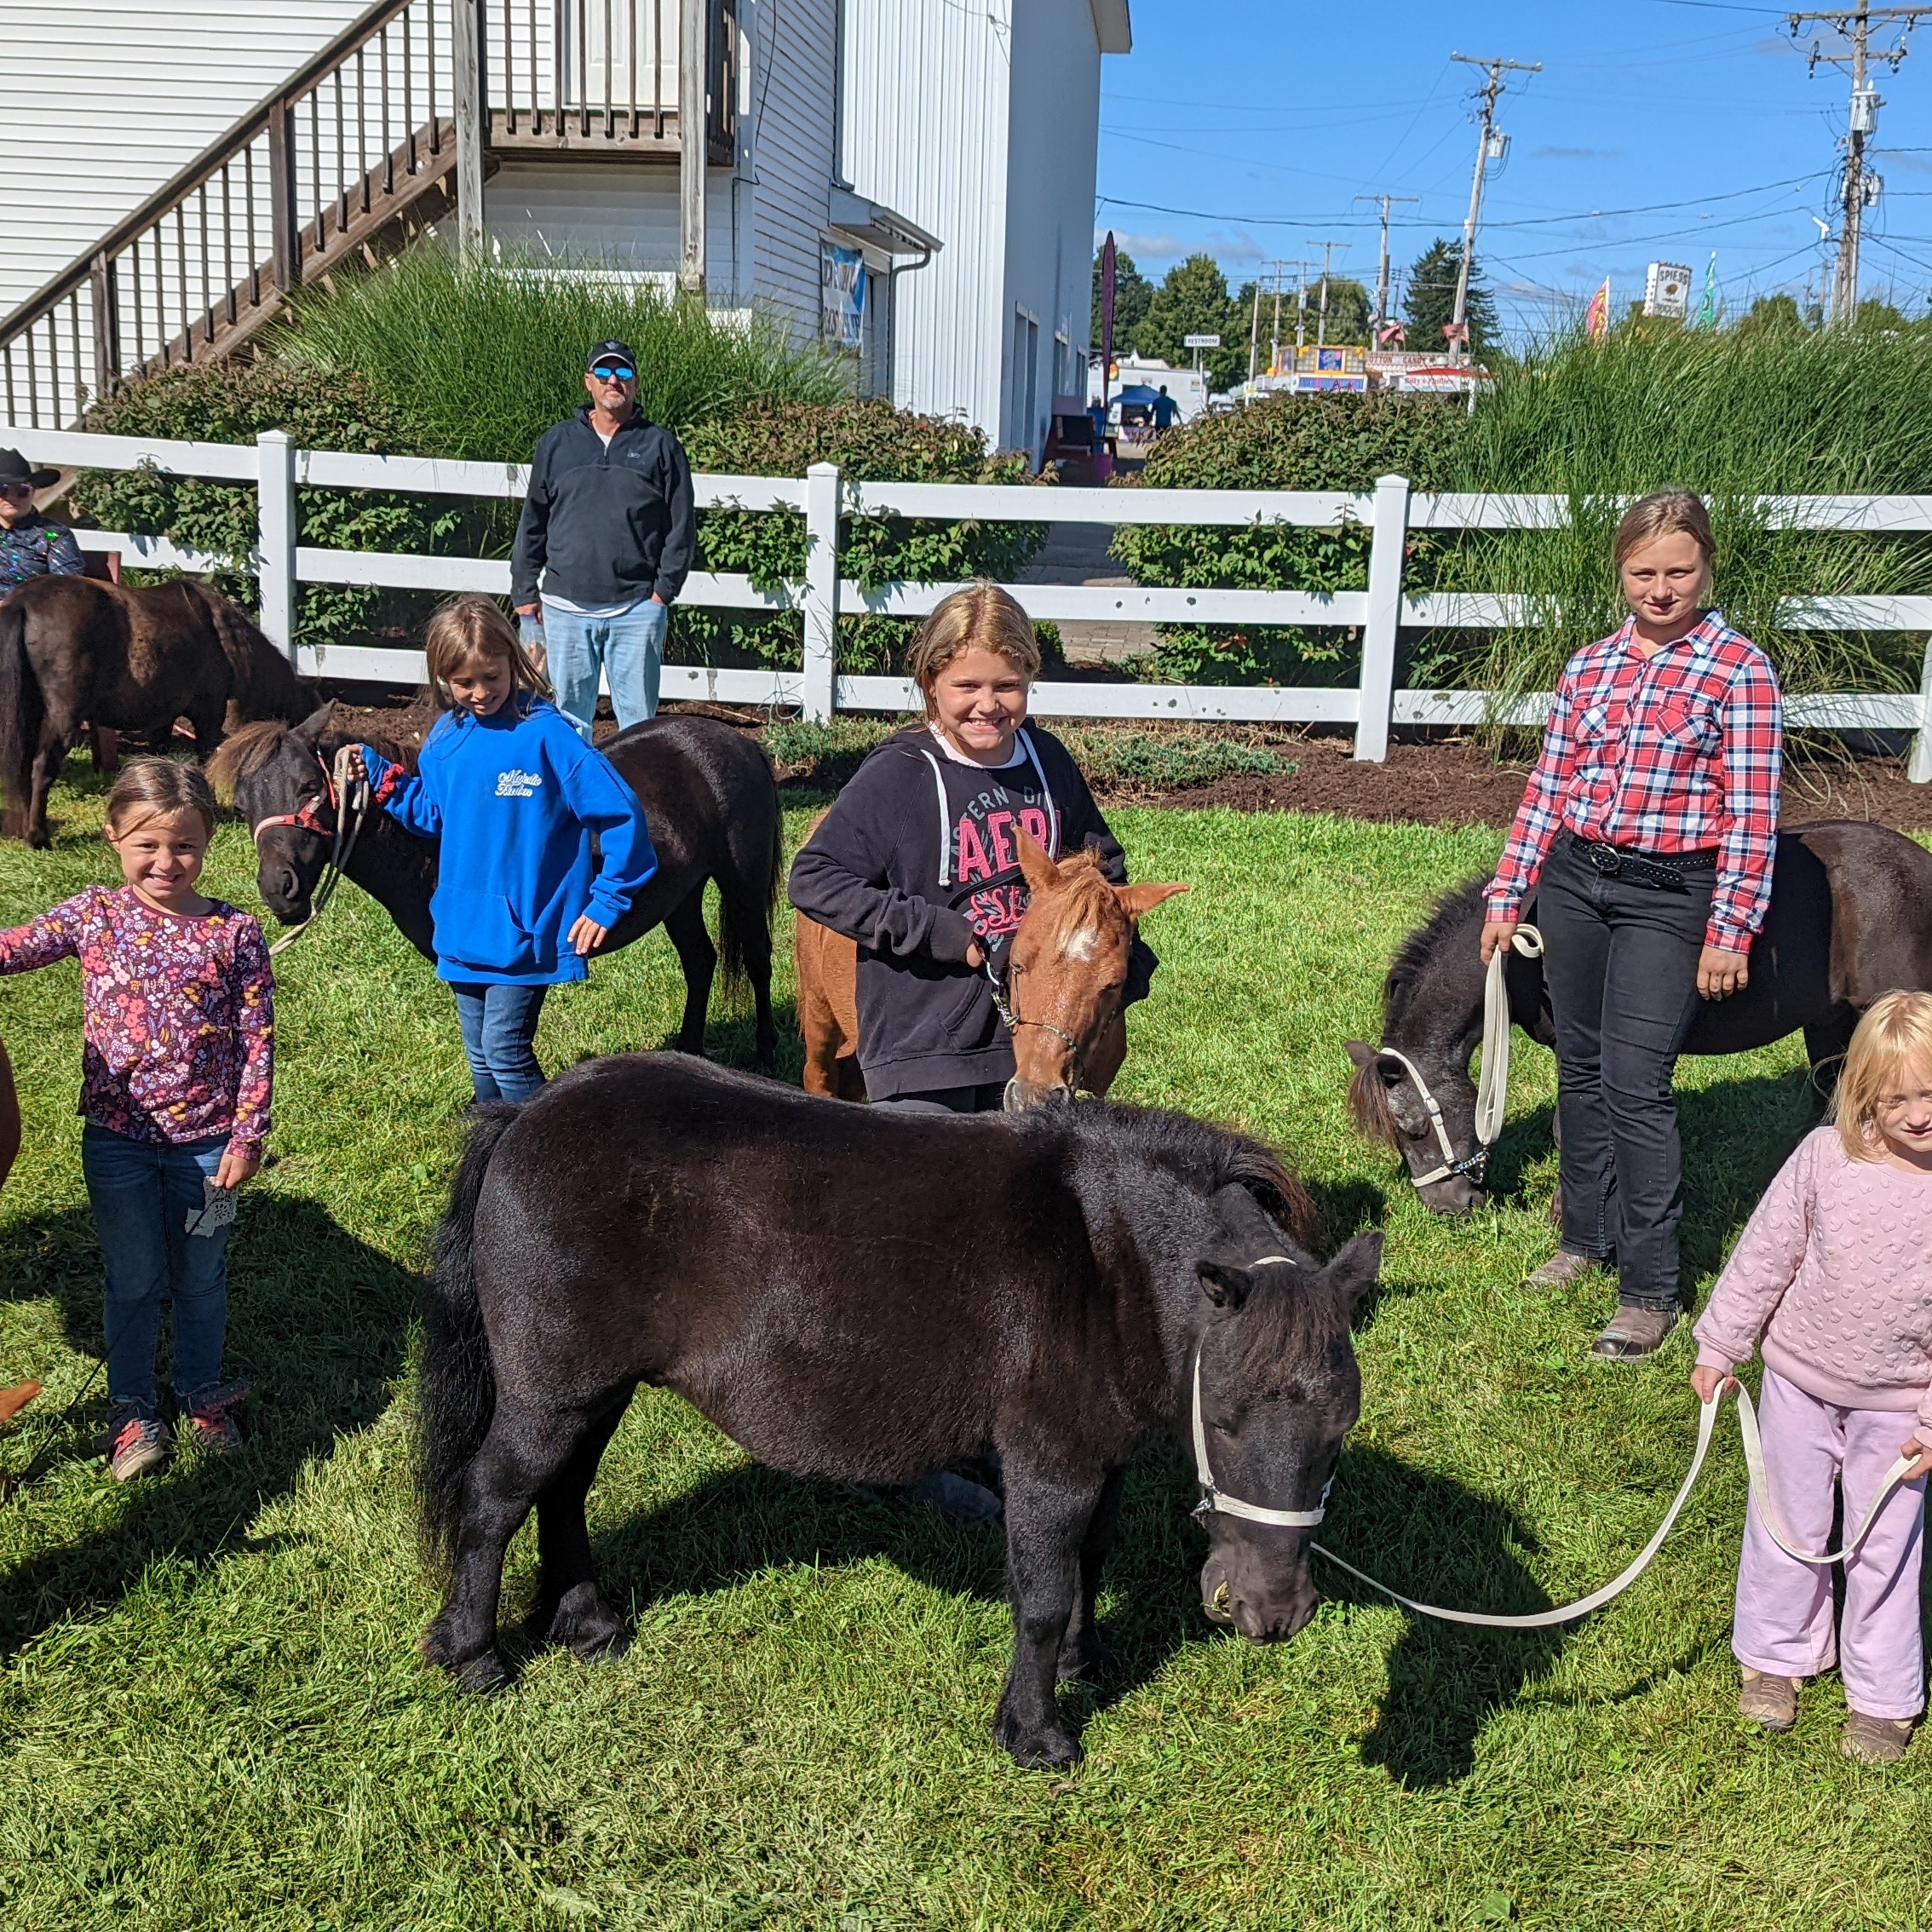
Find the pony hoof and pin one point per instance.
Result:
(482, 1675)
(1050, 1748)
(588, 1627)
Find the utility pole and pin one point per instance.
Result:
(1301, 310)
(1254, 334)
(1490, 147)
(1328, 250)
(1860, 188)
(1382, 270)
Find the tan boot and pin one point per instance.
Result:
(1875, 1740)
(1560, 1271)
(1768, 1700)
(1633, 1333)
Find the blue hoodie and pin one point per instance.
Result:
(514, 799)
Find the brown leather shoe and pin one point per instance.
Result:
(1875, 1740)
(1768, 1700)
(1561, 1270)
(1634, 1333)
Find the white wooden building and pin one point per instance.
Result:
(915, 177)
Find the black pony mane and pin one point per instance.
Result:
(1214, 1157)
(1448, 919)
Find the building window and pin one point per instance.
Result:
(1025, 394)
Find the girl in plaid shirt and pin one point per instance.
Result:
(1647, 829)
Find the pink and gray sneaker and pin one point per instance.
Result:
(209, 1418)
(136, 1443)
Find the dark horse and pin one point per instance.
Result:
(1850, 918)
(73, 649)
(863, 1295)
(708, 795)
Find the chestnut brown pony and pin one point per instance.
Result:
(124, 660)
(1065, 973)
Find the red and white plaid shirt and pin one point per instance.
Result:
(1678, 752)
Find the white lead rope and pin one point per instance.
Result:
(1493, 1093)
(1761, 1492)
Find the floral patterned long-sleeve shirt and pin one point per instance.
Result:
(178, 1014)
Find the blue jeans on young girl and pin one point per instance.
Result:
(499, 1033)
(142, 1194)
(628, 649)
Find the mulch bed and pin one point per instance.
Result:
(1446, 782)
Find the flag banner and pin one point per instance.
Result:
(1596, 322)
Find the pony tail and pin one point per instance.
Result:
(455, 1383)
(23, 711)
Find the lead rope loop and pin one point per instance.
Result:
(352, 810)
(1492, 1093)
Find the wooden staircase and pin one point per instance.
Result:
(352, 158)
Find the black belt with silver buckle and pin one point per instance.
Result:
(1659, 875)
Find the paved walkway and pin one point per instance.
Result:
(1077, 553)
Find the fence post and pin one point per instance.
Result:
(821, 591)
(1918, 769)
(1386, 550)
(284, 224)
(106, 304)
(275, 538)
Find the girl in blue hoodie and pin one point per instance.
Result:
(514, 795)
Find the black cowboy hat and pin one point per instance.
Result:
(15, 469)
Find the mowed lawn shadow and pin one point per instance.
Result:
(1736, 1135)
(1431, 1539)
(318, 1327)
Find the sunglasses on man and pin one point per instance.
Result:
(12, 489)
(615, 372)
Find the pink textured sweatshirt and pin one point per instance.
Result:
(1834, 1271)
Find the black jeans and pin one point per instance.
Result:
(988, 1097)
(1621, 965)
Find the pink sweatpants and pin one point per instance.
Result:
(1784, 1619)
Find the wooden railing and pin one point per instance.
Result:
(360, 143)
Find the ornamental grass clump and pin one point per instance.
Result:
(483, 356)
(1735, 415)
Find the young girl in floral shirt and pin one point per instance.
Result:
(176, 1067)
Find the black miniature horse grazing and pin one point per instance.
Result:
(864, 1295)
(73, 649)
(1850, 918)
(708, 794)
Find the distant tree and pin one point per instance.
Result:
(1430, 299)
(1193, 301)
(1880, 317)
(1132, 292)
(1770, 314)
(1350, 311)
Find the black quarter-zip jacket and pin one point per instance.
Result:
(604, 525)
(915, 861)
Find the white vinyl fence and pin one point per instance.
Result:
(1373, 706)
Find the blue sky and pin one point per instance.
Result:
(1658, 129)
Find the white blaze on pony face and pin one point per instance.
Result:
(1079, 945)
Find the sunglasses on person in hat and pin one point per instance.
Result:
(613, 362)
(19, 478)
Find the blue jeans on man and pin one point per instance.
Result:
(625, 646)
(142, 1194)
(499, 1036)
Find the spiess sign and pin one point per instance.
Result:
(1666, 289)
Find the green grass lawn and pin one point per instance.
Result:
(211, 1710)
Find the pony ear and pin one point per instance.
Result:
(1039, 870)
(1360, 1052)
(1226, 1287)
(1389, 1072)
(315, 724)
(1137, 900)
(1356, 1269)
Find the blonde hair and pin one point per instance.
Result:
(472, 626)
(1663, 512)
(1895, 1032)
(158, 788)
(981, 617)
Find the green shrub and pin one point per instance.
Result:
(483, 356)
(1144, 760)
(870, 441)
(230, 402)
(1332, 442)
(1733, 414)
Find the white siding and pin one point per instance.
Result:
(785, 147)
(927, 90)
(621, 213)
(1051, 158)
(103, 101)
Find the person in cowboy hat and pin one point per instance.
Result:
(602, 547)
(31, 545)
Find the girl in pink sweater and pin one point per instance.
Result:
(1833, 1275)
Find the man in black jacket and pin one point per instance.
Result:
(604, 545)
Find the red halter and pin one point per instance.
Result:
(306, 819)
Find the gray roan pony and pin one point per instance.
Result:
(1850, 918)
(864, 1295)
(708, 795)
